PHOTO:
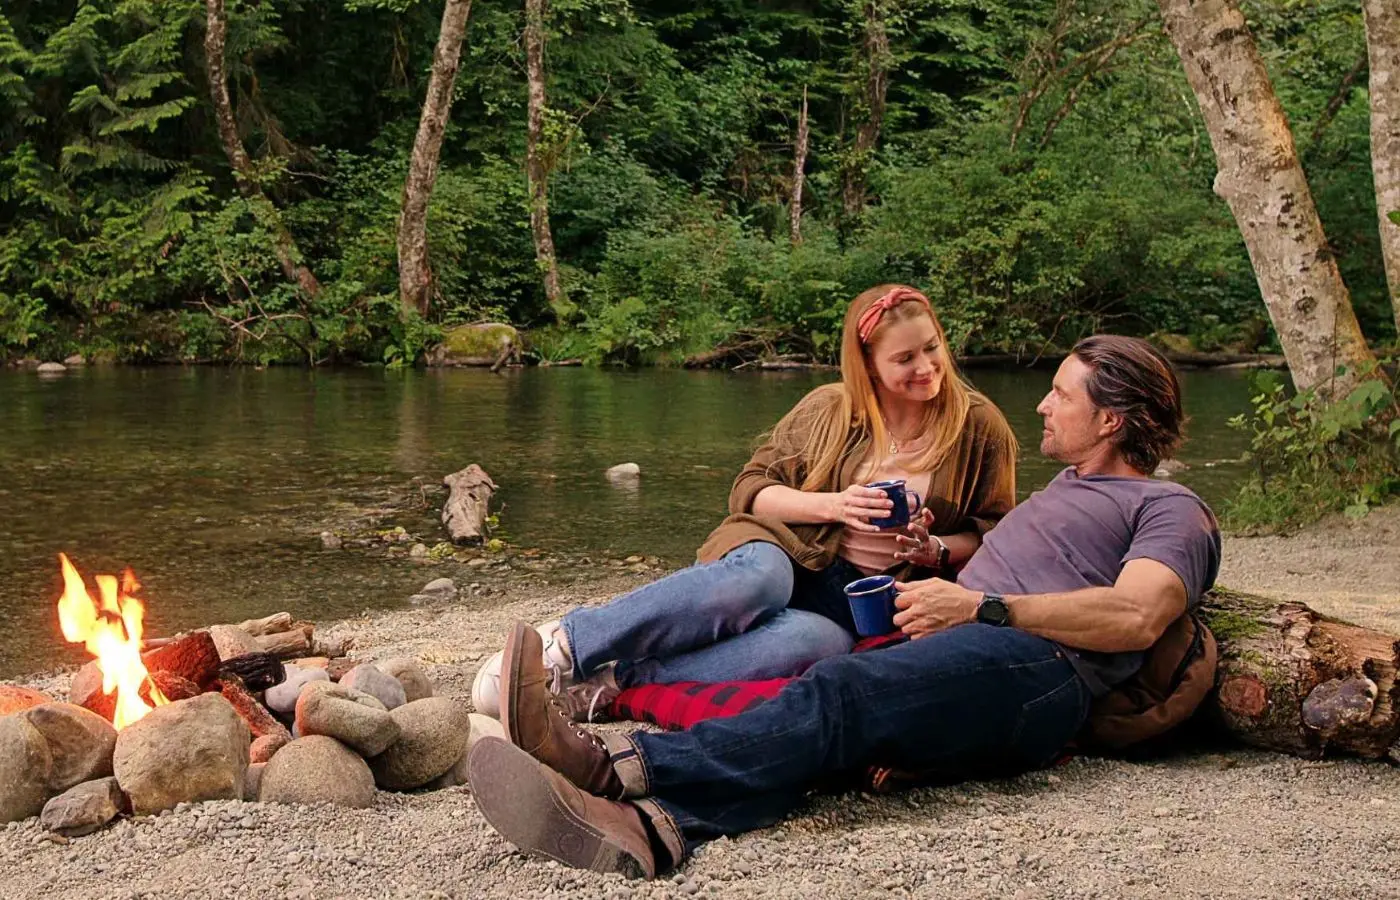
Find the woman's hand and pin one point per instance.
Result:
(857, 505)
(916, 546)
(928, 607)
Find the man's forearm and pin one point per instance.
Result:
(1102, 619)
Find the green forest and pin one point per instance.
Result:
(1040, 167)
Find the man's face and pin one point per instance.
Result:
(1074, 427)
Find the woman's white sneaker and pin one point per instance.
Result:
(486, 687)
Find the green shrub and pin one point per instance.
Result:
(1310, 457)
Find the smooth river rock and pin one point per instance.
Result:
(188, 751)
(368, 679)
(433, 735)
(24, 769)
(481, 727)
(80, 743)
(355, 719)
(84, 808)
(282, 698)
(416, 685)
(317, 769)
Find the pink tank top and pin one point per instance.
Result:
(873, 552)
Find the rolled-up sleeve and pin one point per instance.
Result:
(766, 468)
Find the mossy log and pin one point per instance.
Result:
(1294, 680)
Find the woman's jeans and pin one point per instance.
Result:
(752, 615)
(971, 701)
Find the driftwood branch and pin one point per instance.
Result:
(464, 513)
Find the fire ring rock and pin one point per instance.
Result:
(368, 679)
(14, 698)
(349, 716)
(282, 698)
(433, 735)
(25, 764)
(83, 808)
(317, 769)
(190, 750)
(415, 681)
(80, 741)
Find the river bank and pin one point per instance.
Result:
(1214, 822)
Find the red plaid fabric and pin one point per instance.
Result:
(678, 706)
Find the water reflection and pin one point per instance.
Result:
(213, 483)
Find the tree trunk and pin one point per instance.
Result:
(799, 172)
(1260, 178)
(876, 52)
(415, 270)
(284, 245)
(1295, 681)
(537, 159)
(1383, 52)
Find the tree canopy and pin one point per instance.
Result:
(1041, 168)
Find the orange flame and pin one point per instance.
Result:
(112, 633)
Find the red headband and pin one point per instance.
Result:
(870, 319)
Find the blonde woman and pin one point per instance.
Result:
(766, 597)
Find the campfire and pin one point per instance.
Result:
(112, 633)
(155, 722)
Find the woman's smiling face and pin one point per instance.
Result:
(908, 360)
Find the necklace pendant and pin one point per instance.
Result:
(894, 447)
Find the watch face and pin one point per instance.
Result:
(992, 611)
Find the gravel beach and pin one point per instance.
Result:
(1212, 822)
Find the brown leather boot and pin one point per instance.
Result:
(539, 811)
(537, 723)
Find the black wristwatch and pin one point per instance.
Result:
(993, 610)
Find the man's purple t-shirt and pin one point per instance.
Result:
(1079, 533)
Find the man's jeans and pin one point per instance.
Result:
(751, 615)
(971, 701)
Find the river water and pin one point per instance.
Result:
(214, 484)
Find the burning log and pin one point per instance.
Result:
(192, 656)
(288, 644)
(257, 671)
(173, 687)
(188, 659)
(260, 721)
(281, 621)
(464, 513)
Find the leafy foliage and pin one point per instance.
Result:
(1311, 458)
(1037, 185)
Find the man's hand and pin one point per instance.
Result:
(930, 606)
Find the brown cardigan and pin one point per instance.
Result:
(971, 490)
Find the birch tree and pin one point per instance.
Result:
(415, 268)
(1383, 53)
(284, 245)
(1259, 176)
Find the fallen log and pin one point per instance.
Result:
(1294, 680)
(280, 621)
(289, 644)
(464, 513)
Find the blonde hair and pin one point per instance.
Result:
(831, 421)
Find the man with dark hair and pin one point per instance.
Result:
(1057, 607)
